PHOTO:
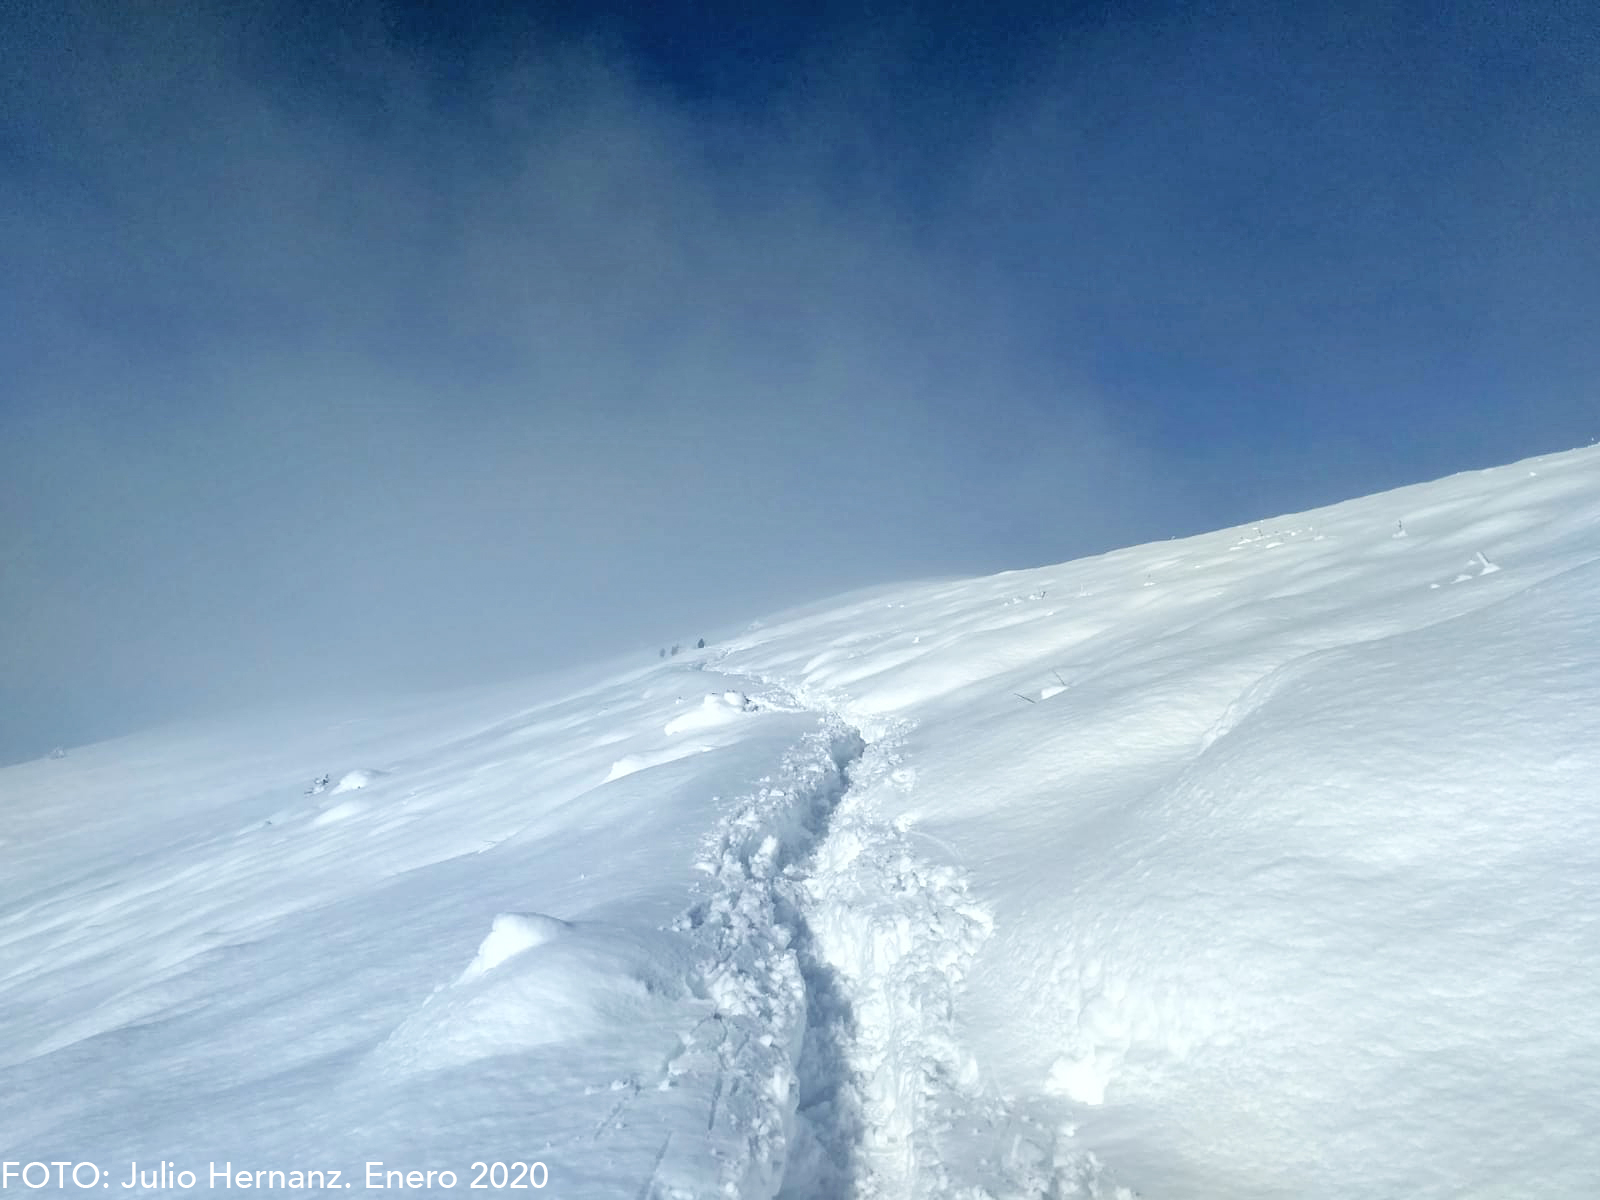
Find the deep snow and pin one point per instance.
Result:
(1259, 864)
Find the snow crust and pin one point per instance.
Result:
(1260, 864)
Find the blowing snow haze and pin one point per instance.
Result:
(354, 347)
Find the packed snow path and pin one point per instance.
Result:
(777, 1012)
(821, 903)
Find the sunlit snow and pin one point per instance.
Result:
(1264, 863)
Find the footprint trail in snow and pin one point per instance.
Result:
(836, 957)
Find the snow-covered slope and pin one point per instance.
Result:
(1260, 864)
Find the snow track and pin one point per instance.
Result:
(835, 958)
(899, 936)
(775, 1008)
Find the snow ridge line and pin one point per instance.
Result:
(775, 1008)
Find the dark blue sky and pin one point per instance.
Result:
(391, 345)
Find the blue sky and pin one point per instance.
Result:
(367, 346)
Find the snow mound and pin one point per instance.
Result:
(630, 764)
(354, 781)
(719, 708)
(511, 934)
(335, 813)
(537, 982)
(351, 781)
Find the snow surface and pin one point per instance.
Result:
(1259, 864)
